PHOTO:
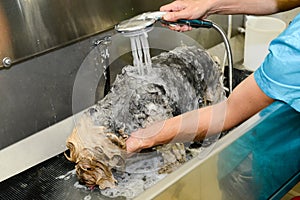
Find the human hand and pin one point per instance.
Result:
(158, 133)
(186, 9)
(181, 128)
(137, 141)
(146, 138)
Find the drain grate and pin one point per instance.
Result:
(52, 179)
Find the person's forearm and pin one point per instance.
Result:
(255, 7)
(194, 9)
(246, 100)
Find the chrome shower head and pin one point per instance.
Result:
(139, 24)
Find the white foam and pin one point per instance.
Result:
(87, 197)
(131, 185)
(68, 175)
(79, 186)
(141, 173)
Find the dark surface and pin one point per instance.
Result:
(43, 182)
(237, 77)
(38, 93)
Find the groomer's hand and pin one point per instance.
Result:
(182, 128)
(158, 133)
(137, 141)
(185, 9)
(146, 138)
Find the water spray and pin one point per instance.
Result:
(143, 23)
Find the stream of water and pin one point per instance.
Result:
(141, 53)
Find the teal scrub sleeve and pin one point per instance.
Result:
(279, 75)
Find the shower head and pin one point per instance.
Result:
(139, 24)
(143, 23)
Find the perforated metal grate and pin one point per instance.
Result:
(52, 179)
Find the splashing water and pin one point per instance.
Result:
(140, 52)
(102, 58)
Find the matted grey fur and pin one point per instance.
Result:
(181, 80)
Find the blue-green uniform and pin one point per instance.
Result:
(263, 159)
(279, 75)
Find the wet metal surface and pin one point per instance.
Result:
(35, 26)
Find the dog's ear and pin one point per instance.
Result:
(94, 154)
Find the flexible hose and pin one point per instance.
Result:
(229, 53)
